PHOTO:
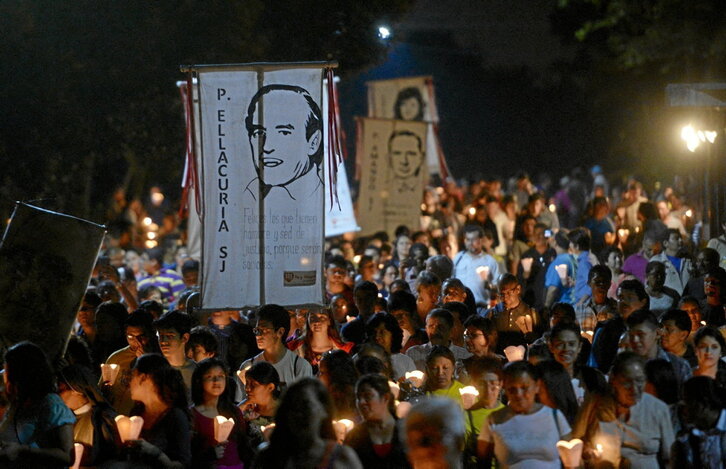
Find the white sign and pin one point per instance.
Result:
(393, 171)
(262, 185)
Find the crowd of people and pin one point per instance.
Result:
(510, 319)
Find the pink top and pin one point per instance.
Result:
(204, 427)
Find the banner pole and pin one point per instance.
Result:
(260, 188)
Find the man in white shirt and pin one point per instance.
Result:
(273, 324)
(475, 268)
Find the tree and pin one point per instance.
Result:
(91, 101)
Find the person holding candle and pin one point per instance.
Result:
(95, 428)
(304, 435)
(624, 425)
(376, 440)
(485, 375)
(710, 347)
(560, 284)
(565, 342)
(263, 388)
(139, 336)
(440, 366)
(160, 395)
(596, 307)
(474, 267)
(37, 428)
(524, 433)
(384, 330)
(515, 321)
(213, 395)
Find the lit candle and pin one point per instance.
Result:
(402, 409)
(242, 374)
(129, 429)
(395, 389)
(342, 427)
(483, 272)
(570, 452)
(416, 378)
(78, 450)
(469, 396)
(267, 430)
(514, 353)
(527, 264)
(109, 373)
(222, 428)
(528, 323)
(561, 271)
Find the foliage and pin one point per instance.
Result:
(90, 101)
(681, 39)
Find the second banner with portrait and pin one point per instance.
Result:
(393, 172)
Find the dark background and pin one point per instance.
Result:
(89, 99)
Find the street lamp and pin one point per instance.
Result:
(384, 32)
(694, 138)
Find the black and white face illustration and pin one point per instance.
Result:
(405, 154)
(409, 105)
(286, 136)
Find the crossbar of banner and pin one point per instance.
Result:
(254, 65)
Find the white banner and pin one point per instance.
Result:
(410, 99)
(407, 99)
(393, 174)
(262, 158)
(339, 215)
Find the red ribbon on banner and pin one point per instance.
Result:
(190, 179)
(335, 152)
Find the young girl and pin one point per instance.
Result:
(213, 394)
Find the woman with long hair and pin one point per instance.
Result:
(565, 345)
(337, 372)
(304, 437)
(555, 389)
(263, 388)
(95, 428)
(376, 440)
(213, 395)
(319, 336)
(710, 347)
(383, 329)
(160, 399)
(37, 429)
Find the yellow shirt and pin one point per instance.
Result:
(451, 393)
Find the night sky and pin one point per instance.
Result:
(502, 102)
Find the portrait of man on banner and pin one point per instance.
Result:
(285, 131)
(393, 173)
(405, 157)
(263, 136)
